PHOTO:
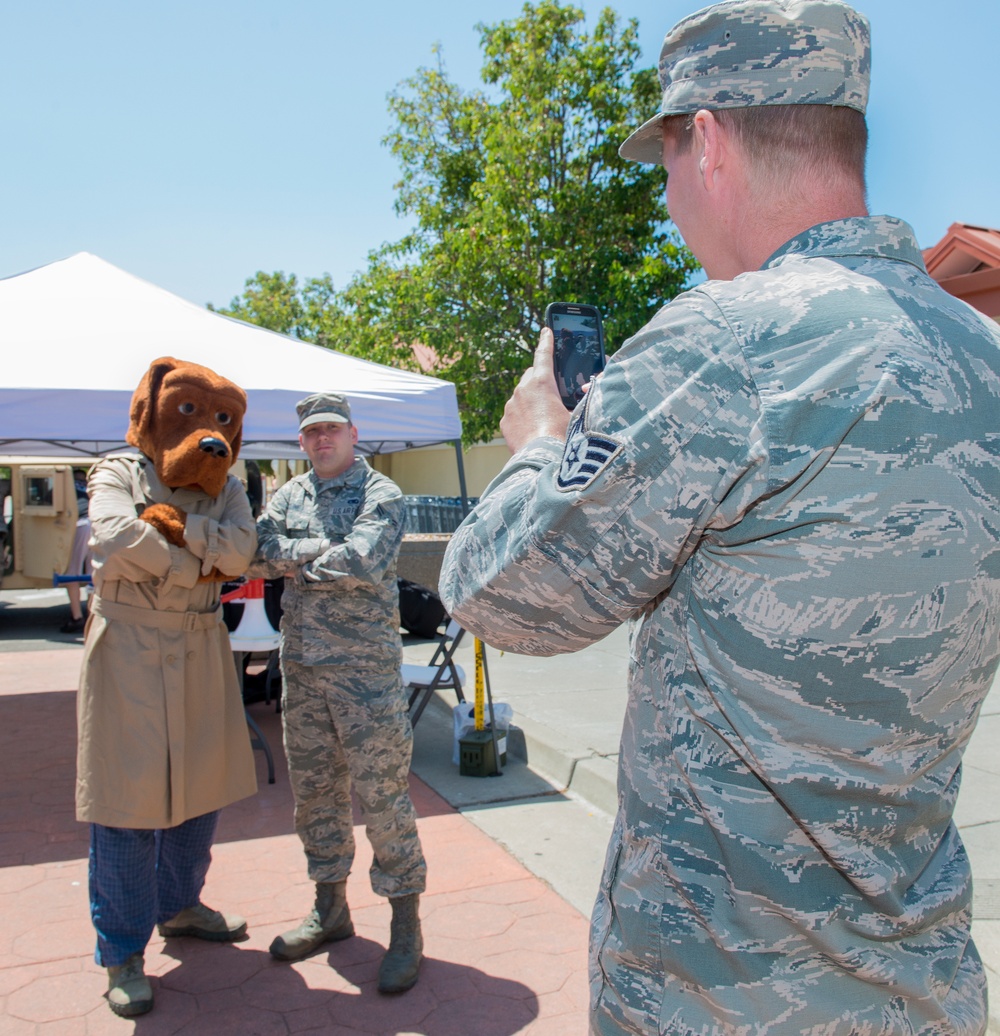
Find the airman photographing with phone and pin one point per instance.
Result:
(787, 483)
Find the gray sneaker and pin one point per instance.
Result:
(203, 922)
(129, 991)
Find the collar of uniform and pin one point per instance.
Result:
(352, 476)
(883, 237)
(150, 482)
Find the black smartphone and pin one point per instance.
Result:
(579, 347)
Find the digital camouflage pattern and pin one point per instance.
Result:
(323, 406)
(744, 53)
(790, 484)
(336, 542)
(368, 722)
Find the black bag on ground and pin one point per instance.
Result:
(420, 609)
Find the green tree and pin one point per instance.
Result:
(519, 198)
(275, 301)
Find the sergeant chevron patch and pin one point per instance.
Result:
(585, 457)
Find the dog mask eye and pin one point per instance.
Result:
(223, 418)
(187, 409)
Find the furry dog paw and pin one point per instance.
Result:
(168, 520)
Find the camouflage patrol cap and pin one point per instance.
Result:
(742, 53)
(323, 406)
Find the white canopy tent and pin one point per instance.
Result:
(77, 335)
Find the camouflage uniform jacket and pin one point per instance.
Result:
(336, 542)
(788, 482)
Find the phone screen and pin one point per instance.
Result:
(579, 349)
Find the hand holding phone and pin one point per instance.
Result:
(578, 352)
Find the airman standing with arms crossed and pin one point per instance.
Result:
(788, 483)
(334, 534)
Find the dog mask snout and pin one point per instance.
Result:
(213, 446)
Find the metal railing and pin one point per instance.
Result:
(434, 513)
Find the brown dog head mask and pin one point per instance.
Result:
(189, 422)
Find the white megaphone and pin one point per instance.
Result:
(255, 632)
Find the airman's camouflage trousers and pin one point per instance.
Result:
(347, 727)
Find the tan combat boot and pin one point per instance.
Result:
(398, 971)
(202, 922)
(129, 991)
(329, 921)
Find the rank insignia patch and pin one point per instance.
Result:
(585, 457)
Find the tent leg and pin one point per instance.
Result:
(463, 491)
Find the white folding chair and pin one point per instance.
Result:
(253, 634)
(441, 673)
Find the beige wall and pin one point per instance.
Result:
(428, 471)
(433, 470)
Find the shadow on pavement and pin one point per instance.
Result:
(30, 620)
(333, 991)
(38, 775)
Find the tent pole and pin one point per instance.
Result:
(463, 491)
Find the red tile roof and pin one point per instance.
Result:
(966, 263)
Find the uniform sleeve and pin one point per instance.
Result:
(125, 547)
(372, 545)
(228, 543)
(573, 538)
(279, 554)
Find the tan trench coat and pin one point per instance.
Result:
(162, 733)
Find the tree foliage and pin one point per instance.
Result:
(275, 301)
(519, 198)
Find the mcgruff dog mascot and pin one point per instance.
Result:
(163, 742)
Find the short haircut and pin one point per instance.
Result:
(780, 140)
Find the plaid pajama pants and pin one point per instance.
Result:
(140, 878)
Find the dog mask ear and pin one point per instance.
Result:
(237, 443)
(143, 407)
(237, 440)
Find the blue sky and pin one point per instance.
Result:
(194, 142)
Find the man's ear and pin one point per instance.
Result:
(144, 399)
(708, 140)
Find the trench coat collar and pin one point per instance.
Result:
(155, 490)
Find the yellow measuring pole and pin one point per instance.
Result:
(480, 718)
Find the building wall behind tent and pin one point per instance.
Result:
(433, 471)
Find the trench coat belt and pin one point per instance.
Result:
(186, 621)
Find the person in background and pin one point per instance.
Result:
(788, 483)
(255, 488)
(334, 535)
(79, 562)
